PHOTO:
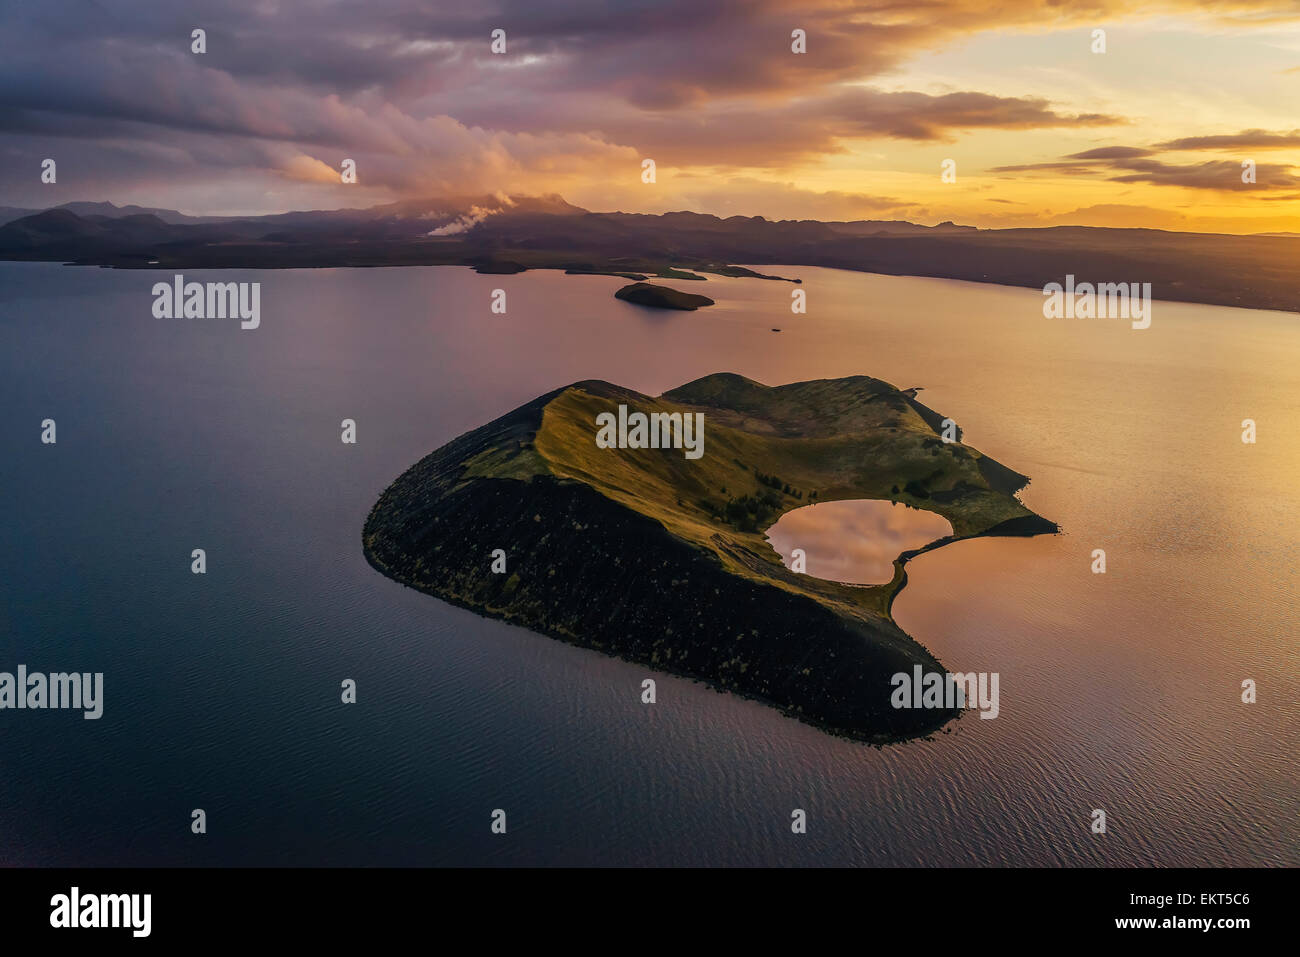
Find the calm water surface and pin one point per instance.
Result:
(856, 540)
(1118, 691)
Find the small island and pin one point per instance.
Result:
(661, 297)
(660, 558)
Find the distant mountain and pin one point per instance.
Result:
(506, 234)
(437, 211)
(10, 213)
(876, 227)
(61, 229)
(119, 212)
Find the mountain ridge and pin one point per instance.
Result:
(511, 234)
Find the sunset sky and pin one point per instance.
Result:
(1043, 131)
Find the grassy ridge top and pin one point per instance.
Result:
(767, 450)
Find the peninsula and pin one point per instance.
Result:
(660, 559)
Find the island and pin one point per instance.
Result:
(661, 297)
(659, 557)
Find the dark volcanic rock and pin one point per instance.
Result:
(661, 297)
(593, 573)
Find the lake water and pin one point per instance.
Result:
(854, 541)
(1119, 691)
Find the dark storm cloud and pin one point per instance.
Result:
(411, 91)
(1111, 153)
(1245, 140)
(1131, 164)
(1211, 174)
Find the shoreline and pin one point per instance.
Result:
(620, 273)
(878, 741)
